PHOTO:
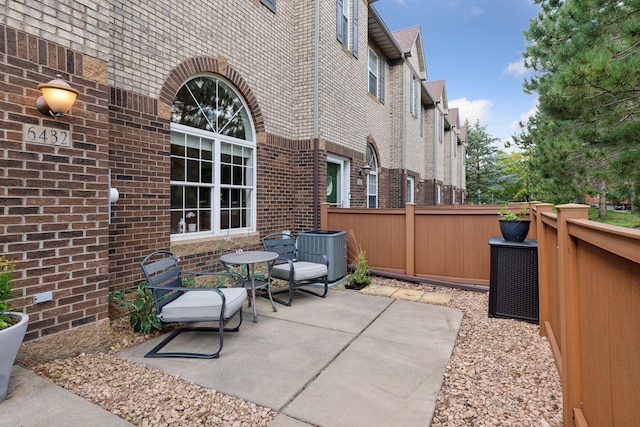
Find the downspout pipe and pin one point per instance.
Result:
(316, 119)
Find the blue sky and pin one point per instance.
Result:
(476, 46)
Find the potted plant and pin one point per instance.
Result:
(514, 226)
(191, 222)
(13, 326)
(360, 276)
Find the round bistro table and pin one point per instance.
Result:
(250, 259)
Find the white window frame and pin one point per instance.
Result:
(438, 194)
(217, 187)
(373, 182)
(374, 71)
(344, 177)
(411, 189)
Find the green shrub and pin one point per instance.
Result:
(142, 309)
(6, 293)
(360, 276)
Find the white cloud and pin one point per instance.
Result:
(473, 11)
(479, 109)
(516, 68)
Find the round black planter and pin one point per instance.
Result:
(515, 231)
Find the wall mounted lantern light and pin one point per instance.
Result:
(366, 169)
(57, 97)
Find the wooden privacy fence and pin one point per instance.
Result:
(440, 243)
(589, 285)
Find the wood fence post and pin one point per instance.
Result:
(533, 231)
(569, 309)
(543, 266)
(410, 238)
(324, 216)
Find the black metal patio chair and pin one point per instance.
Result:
(298, 268)
(176, 303)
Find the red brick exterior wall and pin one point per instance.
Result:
(139, 159)
(53, 198)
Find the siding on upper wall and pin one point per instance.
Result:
(82, 26)
(257, 43)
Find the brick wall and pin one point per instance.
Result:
(53, 198)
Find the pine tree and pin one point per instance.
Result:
(482, 171)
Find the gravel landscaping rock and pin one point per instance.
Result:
(501, 373)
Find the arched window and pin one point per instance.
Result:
(213, 164)
(372, 178)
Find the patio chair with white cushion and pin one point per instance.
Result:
(176, 303)
(298, 268)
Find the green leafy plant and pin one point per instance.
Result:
(360, 276)
(507, 214)
(6, 292)
(142, 310)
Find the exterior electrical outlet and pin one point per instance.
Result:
(42, 297)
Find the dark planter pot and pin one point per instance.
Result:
(10, 341)
(356, 286)
(515, 231)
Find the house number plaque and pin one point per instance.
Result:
(46, 135)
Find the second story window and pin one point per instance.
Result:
(376, 75)
(373, 73)
(347, 19)
(412, 94)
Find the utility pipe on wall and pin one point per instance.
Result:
(316, 119)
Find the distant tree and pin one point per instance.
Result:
(482, 171)
(514, 179)
(585, 55)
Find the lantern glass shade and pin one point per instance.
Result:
(58, 97)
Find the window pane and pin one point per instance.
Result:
(191, 197)
(225, 174)
(177, 169)
(333, 172)
(210, 104)
(176, 197)
(373, 84)
(193, 171)
(225, 198)
(207, 172)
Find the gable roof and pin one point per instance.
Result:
(407, 39)
(452, 117)
(462, 137)
(435, 88)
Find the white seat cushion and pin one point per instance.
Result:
(303, 270)
(203, 306)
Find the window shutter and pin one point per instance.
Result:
(271, 4)
(355, 28)
(339, 26)
(411, 95)
(382, 67)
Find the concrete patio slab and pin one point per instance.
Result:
(390, 375)
(349, 359)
